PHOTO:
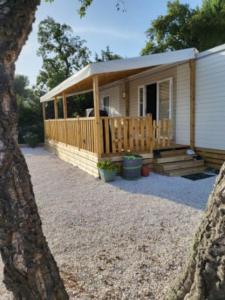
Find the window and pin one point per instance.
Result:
(141, 101)
(106, 104)
(160, 98)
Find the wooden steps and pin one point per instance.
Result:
(177, 163)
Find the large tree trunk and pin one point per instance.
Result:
(30, 271)
(204, 277)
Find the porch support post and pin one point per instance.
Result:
(65, 113)
(43, 111)
(56, 108)
(97, 115)
(44, 118)
(127, 98)
(192, 65)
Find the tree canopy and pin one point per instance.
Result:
(182, 27)
(62, 53)
(29, 110)
(106, 55)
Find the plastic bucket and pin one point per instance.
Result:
(107, 175)
(132, 167)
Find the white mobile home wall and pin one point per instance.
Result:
(210, 99)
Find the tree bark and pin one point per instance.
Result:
(204, 277)
(30, 270)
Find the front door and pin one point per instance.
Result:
(151, 100)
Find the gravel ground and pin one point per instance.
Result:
(126, 240)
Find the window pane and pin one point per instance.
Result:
(106, 104)
(164, 100)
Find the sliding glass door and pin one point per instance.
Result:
(164, 99)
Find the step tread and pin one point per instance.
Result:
(175, 152)
(176, 158)
(182, 164)
(184, 172)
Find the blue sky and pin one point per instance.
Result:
(103, 25)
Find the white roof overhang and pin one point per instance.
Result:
(117, 69)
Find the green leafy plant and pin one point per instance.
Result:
(31, 139)
(107, 165)
(132, 156)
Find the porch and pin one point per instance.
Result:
(143, 119)
(114, 135)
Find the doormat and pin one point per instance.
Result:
(197, 176)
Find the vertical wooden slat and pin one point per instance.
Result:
(119, 135)
(112, 126)
(142, 134)
(151, 132)
(106, 127)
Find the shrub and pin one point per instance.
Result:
(31, 139)
(107, 165)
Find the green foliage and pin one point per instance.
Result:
(106, 55)
(107, 165)
(62, 53)
(132, 156)
(29, 109)
(31, 139)
(183, 27)
(85, 4)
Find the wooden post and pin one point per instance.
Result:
(65, 112)
(56, 108)
(65, 115)
(192, 65)
(127, 98)
(43, 111)
(97, 115)
(44, 118)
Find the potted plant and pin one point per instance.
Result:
(145, 170)
(132, 164)
(107, 170)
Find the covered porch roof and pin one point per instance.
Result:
(115, 70)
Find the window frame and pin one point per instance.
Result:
(143, 87)
(170, 79)
(103, 104)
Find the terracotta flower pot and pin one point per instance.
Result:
(145, 171)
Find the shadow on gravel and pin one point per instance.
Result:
(177, 189)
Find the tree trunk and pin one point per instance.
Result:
(30, 271)
(204, 277)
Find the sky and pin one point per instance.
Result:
(103, 26)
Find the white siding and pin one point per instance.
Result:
(183, 105)
(210, 101)
(115, 102)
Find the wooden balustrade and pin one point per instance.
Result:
(162, 133)
(77, 132)
(126, 134)
(117, 134)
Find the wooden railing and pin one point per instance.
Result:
(77, 132)
(117, 134)
(126, 134)
(162, 133)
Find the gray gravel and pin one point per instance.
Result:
(126, 240)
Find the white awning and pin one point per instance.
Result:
(121, 65)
